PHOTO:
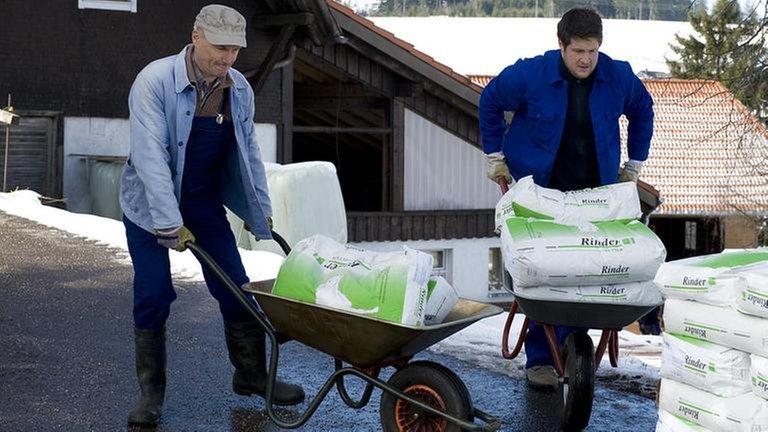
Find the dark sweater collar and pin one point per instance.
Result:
(568, 76)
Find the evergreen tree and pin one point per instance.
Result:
(726, 47)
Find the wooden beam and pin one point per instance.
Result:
(314, 104)
(333, 129)
(285, 130)
(279, 20)
(275, 54)
(334, 90)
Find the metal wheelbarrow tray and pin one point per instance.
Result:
(579, 314)
(356, 339)
(419, 396)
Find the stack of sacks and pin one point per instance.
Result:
(714, 367)
(392, 286)
(579, 246)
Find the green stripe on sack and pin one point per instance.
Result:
(686, 288)
(523, 211)
(732, 259)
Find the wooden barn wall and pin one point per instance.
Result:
(82, 62)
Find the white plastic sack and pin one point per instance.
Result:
(758, 375)
(743, 413)
(618, 202)
(753, 294)
(720, 325)
(713, 368)
(540, 252)
(712, 279)
(441, 298)
(670, 423)
(387, 285)
(629, 294)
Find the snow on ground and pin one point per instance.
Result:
(480, 343)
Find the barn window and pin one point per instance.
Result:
(118, 5)
(440, 263)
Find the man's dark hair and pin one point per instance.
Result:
(581, 22)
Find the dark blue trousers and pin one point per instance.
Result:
(153, 290)
(537, 350)
(204, 215)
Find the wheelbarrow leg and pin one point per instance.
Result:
(554, 347)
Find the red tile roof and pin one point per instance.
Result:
(709, 155)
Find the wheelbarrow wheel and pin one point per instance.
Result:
(578, 382)
(431, 384)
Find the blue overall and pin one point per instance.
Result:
(204, 215)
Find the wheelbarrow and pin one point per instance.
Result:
(577, 360)
(419, 395)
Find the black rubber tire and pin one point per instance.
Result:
(456, 380)
(431, 383)
(578, 381)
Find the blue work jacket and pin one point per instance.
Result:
(162, 106)
(538, 95)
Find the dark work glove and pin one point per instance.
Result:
(175, 238)
(248, 227)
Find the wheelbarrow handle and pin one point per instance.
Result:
(503, 185)
(236, 291)
(281, 242)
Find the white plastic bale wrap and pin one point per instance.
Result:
(306, 200)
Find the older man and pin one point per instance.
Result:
(193, 150)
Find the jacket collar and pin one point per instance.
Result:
(552, 61)
(182, 77)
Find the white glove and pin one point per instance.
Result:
(631, 171)
(497, 167)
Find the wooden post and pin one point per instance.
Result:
(7, 141)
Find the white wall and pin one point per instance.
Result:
(467, 266)
(442, 171)
(96, 136)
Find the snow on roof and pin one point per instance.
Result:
(484, 46)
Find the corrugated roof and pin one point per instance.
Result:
(709, 155)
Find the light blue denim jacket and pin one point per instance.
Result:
(162, 106)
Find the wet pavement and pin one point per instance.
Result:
(66, 356)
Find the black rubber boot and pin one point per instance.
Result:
(246, 345)
(150, 369)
